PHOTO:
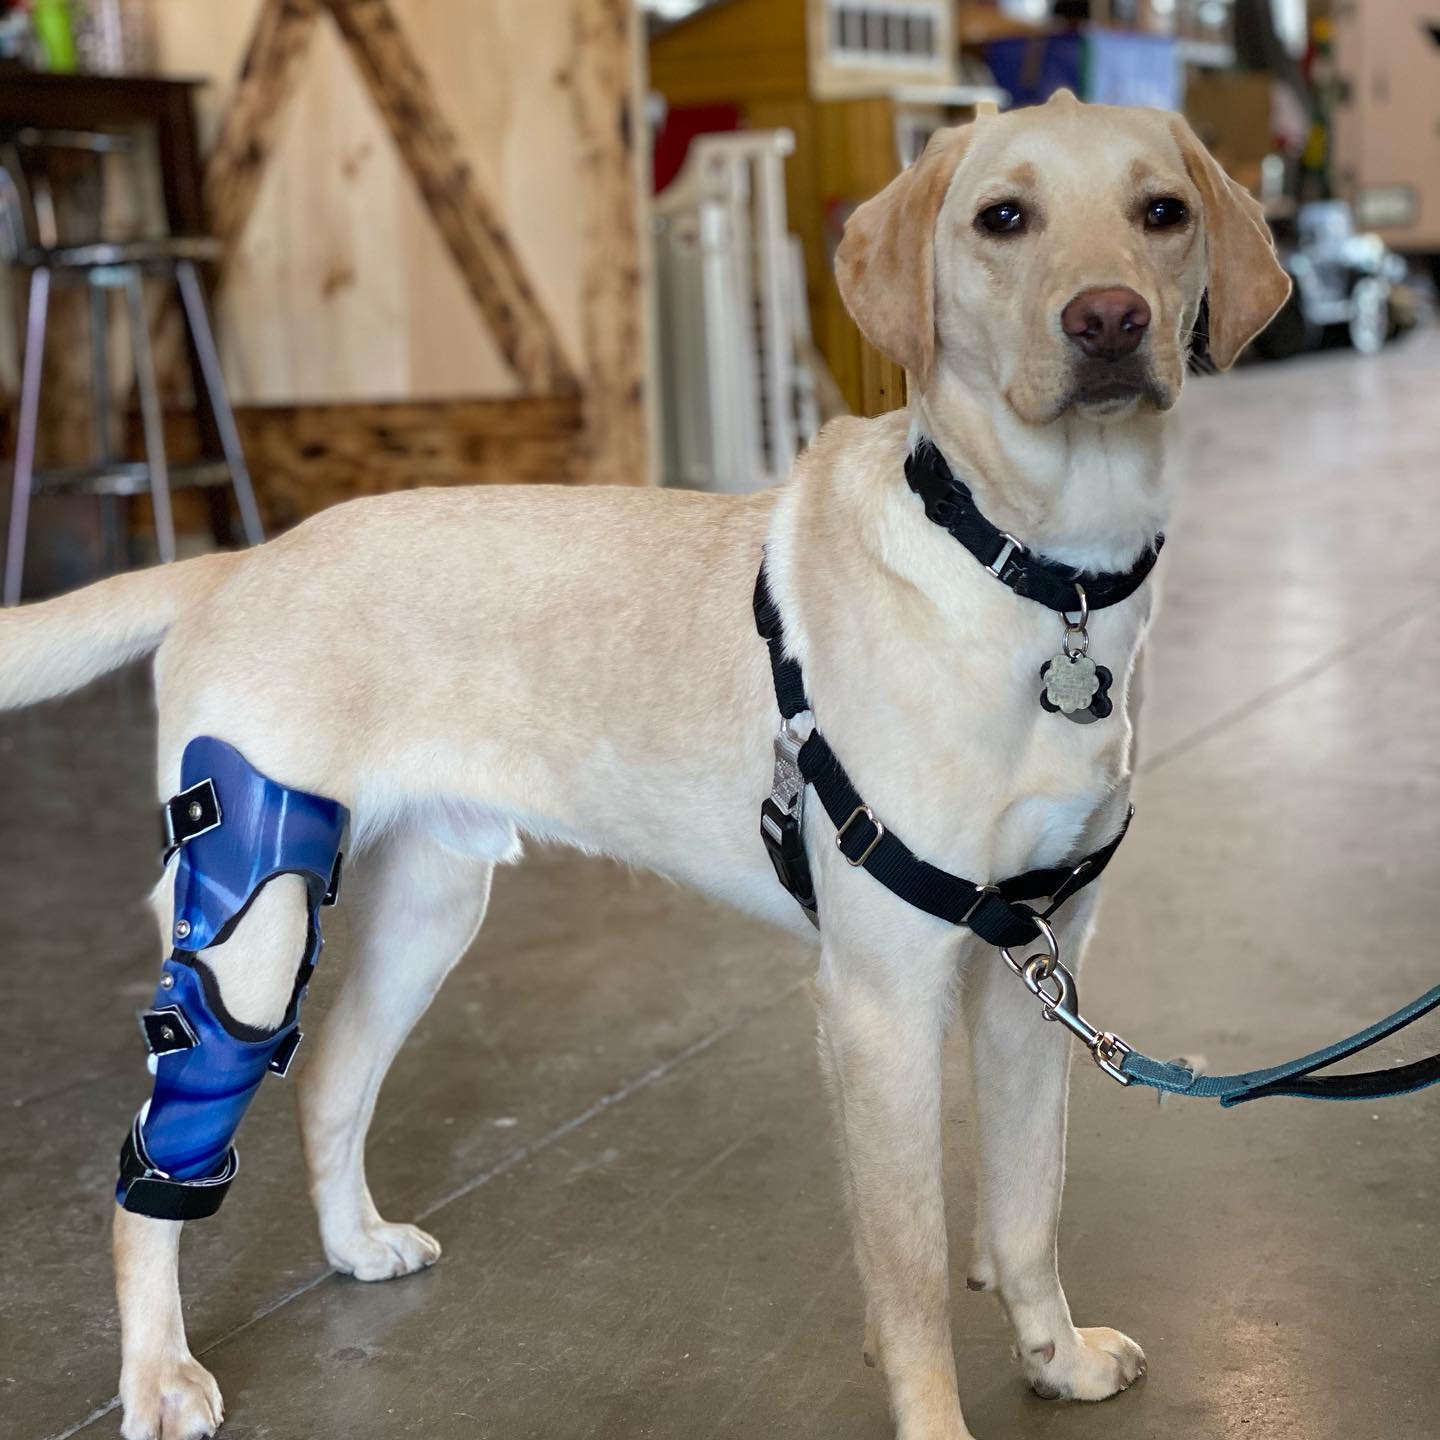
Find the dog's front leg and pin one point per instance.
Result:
(1021, 1070)
(883, 1011)
(166, 1393)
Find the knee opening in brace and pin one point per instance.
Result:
(234, 830)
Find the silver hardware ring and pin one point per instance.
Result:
(869, 850)
(1048, 961)
(1077, 638)
(1035, 978)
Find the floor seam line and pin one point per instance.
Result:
(1273, 693)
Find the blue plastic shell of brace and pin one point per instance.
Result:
(265, 830)
(201, 1094)
(202, 1091)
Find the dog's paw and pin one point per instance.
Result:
(1089, 1365)
(382, 1251)
(172, 1399)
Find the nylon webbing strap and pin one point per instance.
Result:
(949, 503)
(1299, 1077)
(789, 682)
(996, 913)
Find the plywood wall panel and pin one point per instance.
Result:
(339, 286)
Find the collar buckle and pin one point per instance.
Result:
(1009, 546)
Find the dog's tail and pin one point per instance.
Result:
(58, 645)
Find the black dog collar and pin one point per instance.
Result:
(949, 503)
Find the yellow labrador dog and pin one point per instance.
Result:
(464, 667)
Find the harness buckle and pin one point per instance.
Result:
(859, 812)
(781, 823)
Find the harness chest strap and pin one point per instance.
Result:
(999, 915)
(998, 912)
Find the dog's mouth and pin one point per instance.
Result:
(1114, 389)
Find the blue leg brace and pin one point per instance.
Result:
(235, 830)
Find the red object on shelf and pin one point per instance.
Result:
(682, 124)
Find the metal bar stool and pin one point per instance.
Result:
(29, 240)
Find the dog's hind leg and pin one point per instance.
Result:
(414, 907)
(167, 1394)
(1021, 1070)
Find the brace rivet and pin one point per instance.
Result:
(195, 811)
(167, 982)
(166, 1033)
(182, 929)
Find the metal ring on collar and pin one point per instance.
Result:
(1048, 961)
(1084, 610)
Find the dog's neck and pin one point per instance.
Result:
(1088, 493)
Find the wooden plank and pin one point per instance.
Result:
(471, 226)
(252, 121)
(307, 457)
(606, 97)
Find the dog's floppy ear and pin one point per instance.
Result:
(1247, 285)
(885, 266)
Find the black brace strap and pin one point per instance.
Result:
(192, 812)
(997, 913)
(149, 1191)
(949, 503)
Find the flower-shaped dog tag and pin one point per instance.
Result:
(1077, 687)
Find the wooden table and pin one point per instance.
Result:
(102, 102)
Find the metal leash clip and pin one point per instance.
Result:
(1062, 1003)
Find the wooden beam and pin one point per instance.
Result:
(470, 225)
(252, 121)
(606, 96)
(307, 457)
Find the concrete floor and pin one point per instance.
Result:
(612, 1118)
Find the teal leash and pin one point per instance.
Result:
(1054, 986)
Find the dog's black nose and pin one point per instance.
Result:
(1107, 324)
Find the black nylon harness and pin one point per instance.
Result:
(998, 913)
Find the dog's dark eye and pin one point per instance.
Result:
(1166, 213)
(1006, 218)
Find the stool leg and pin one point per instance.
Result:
(197, 315)
(112, 507)
(25, 434)
(151, 416)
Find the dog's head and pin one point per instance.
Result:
(1059, 255)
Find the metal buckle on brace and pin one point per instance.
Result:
(869, 850)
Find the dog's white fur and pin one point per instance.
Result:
(464, 667)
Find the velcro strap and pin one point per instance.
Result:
(149, 1192)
